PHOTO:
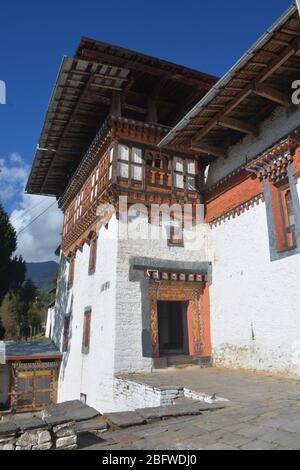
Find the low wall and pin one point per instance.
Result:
(131, 395)
(38, 434)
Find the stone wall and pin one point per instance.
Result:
(131, 395)
(38, 434)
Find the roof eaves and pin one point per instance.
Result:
(65, 62)
(228, 76)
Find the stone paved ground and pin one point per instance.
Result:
(263, 413)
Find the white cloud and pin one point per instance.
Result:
(13, 176)
(39, 240)
(16, 158)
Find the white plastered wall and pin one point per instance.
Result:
(255, 302)
(92, 373)
(128, 353)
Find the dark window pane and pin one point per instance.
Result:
(43, 382)
(25, 384)
(41, 398)
(25, 399)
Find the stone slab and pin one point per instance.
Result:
(73, 410)
(83, 414)
(190, 409)
(96, 424)
(57, 420)
(125, 419)
(31, 424)
(8, 428)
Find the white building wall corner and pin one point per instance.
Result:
(90, 374)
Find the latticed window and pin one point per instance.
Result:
(175, 232)
(136, 164)
(191, 175)
(130, 162)
(123, 161)
(289, 218)
(93, 254)
(283, 216)
(111, 157)
(178, 173)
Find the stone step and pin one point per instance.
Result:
(126, 419)
(178, 361)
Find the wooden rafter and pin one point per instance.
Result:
(272, 94)
(238, 125)
(208, 149)
(275, 64)
(66, 129)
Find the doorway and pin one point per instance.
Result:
(172, 328)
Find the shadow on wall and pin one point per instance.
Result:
(63, 307)
(66, 355)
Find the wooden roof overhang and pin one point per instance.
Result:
(99, 80)
(259, 82)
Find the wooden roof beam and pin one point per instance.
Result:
(288, 52)
(238, 125)
(272, 94)
(208, 149)
(66, 128)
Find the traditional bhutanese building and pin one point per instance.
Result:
(136, 291)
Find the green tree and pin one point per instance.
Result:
(34, 316)
(29, 292)
(22, 300)
(12, 268)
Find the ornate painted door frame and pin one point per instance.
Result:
(198, 317)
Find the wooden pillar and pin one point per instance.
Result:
(153, 319)
(193, 324)
(206, 320)
(114, 176)
(152, 111)
(116, 104)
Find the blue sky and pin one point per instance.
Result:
(34, 35)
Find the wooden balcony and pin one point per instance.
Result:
(143, 175)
